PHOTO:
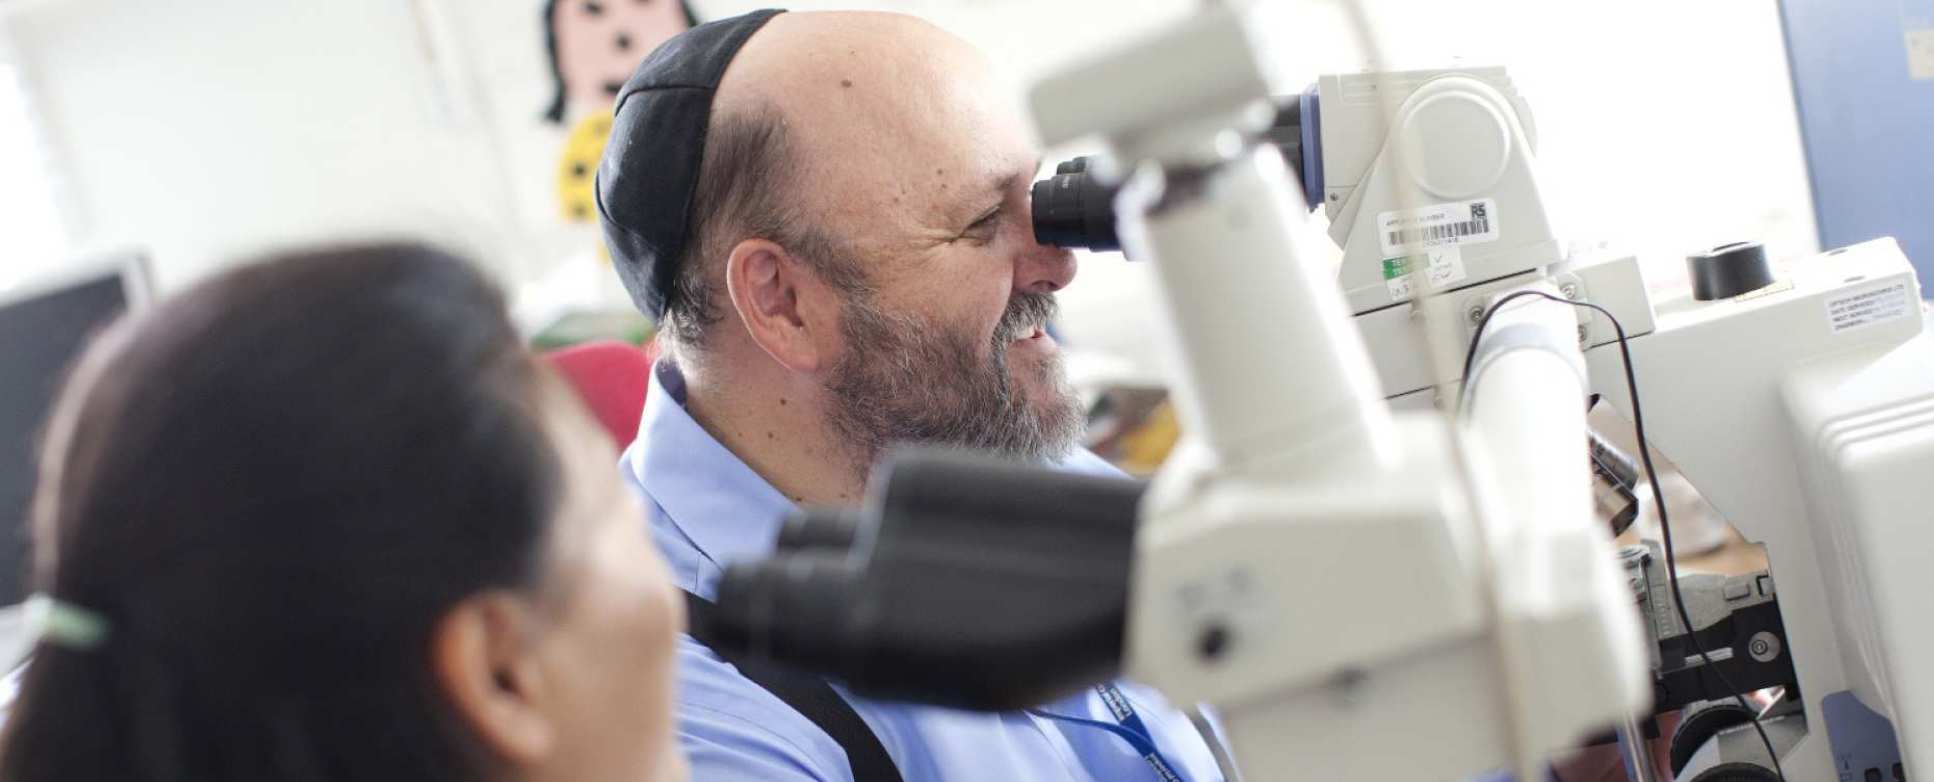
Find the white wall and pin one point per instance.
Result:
(203, 130)
(31, 225)
(207, 128)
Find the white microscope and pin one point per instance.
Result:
(1374, 554)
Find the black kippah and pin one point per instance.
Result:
(650, 169)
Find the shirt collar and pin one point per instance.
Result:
(728, 511)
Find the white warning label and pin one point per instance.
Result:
(1858, 309)
(1920, 54)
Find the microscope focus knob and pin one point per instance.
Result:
(1729, 270)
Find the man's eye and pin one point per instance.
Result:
(985, 225)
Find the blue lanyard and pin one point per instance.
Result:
(1131, 729)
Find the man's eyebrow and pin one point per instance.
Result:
(1002, 183)
(1009, 180)
(994, 194)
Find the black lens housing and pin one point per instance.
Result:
(1075, 210)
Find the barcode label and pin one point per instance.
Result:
(1476, 225)
(1442, 225)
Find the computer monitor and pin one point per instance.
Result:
(44, 325)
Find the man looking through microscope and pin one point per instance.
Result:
(828, 215)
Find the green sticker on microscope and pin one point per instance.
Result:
(1396, 267)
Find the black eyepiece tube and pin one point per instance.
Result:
(1075, 209)
(1072, 209)
(795, 608)
(823, 528)
(983, 584)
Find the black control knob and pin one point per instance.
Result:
(1729, 270)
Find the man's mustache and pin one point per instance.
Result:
(1025, 313)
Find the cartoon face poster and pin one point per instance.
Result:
(594, 46)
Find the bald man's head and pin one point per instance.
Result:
(859, 234)
(828, 127)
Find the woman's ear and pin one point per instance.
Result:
(788, 311)
(482, 656)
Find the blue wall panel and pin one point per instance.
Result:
(1868, 123)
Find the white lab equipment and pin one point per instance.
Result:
(1374, 553)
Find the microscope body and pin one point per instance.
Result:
(1800, 410)
(1802, 414)
(1447, 195)
(1327, 573)
(1803, 411)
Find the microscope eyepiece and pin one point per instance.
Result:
(1076, 210)
(950, 596)
(800, 604)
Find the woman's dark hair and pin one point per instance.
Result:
(272, 487)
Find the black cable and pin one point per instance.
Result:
(1658, 494)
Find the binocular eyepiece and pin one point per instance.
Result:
(936, 590)
(1075, 209)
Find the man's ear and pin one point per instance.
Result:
(482, 656)
(789, 312)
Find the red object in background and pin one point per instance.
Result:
(612, 378)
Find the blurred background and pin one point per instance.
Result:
(200, 131)
(193, 133)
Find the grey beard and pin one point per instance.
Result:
(901, 380)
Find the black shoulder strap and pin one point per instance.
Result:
(811, 696)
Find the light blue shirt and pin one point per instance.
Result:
(708, 509)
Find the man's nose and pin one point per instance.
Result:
(1043, 268)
